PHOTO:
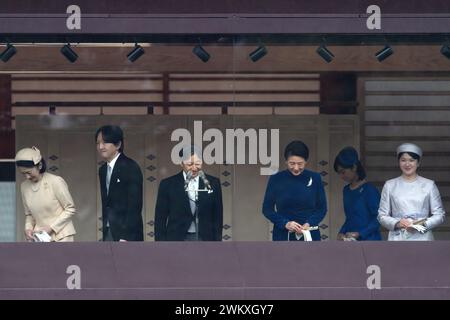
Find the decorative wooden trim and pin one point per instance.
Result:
(401, 75)
(408, 138)
(361, 111)
(245, 91)
(406, 108)
(407, 123)
(78, 78)
(409, 93)
(166, 93)
(86, 103)
(85, 91)
(247, 104)
(245, 78)
(172, 104)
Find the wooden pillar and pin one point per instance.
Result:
(7, 141)
(338, 93)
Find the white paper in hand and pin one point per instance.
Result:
(41, 236)
(306, 234)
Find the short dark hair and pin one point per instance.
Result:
(296, 148)
(111, 134)
(413, 155)
(30, 164)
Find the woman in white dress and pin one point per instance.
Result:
(410, 205)
(47, 202)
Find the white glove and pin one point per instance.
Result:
(419, 228)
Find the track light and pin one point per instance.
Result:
(201, 53)
(326, 54)
(260, 52)
(8, 52)
(136, 53)
(445, 50)
(384, 53)
(68, 52)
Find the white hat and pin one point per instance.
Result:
(409, 147)
(29, 154)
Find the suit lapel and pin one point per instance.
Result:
(102, 178)
(115, 174)
(184, 195)
(201, 194)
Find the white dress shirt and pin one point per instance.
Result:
(193, 196)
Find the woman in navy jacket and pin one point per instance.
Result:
(361, 199)
(295, 198)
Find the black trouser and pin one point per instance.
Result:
(107, 234)
(192, 237)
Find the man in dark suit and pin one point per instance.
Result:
(121, 188)
(184, 214)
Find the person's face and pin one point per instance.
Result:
(349, 175)
(193, 164)
(31, 174)
(106, 150)
(408, 165)
(296, 165)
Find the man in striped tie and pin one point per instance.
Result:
(121, 188)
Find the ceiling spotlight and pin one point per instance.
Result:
(326, 54)
(258, 53)
(8, 53)
(384, 53)
(68, 52)
(201, 53)
(136, 53)
(445, 50)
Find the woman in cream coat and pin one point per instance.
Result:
(410, 205)
(46, 199)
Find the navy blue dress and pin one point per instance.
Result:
(361, 211)
(294, 198)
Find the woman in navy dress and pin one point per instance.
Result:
(295, 198)
(361, 199)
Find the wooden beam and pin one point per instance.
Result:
(227, 59)
(7, 139)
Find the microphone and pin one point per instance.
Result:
(188, 179)
(202, 176)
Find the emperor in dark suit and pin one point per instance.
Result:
(121, 188)
(175, 207)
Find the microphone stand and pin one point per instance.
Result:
(196, 211)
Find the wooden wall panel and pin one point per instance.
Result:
(6, 131)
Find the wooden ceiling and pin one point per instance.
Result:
(180, 59)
